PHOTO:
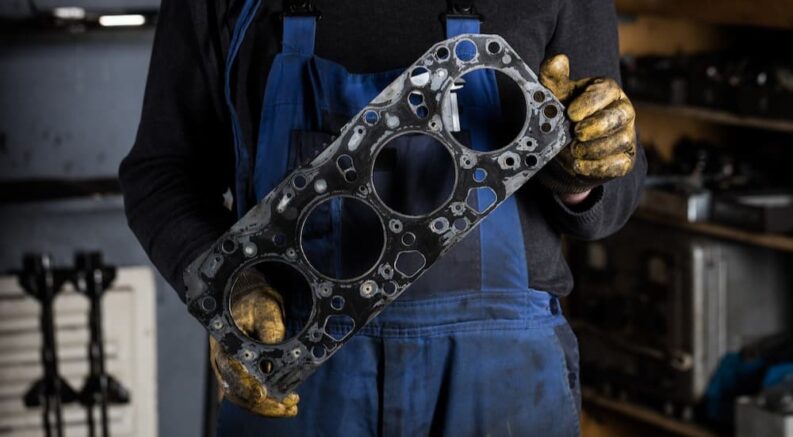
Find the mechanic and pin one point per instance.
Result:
(239, 94)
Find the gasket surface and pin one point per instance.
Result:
(271, 231)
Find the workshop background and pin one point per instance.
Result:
(684, 317)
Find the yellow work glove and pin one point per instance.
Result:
(257, 311)
(604, 143)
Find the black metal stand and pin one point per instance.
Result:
(92, 278)
(43, 282)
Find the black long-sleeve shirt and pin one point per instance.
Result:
(183, 158)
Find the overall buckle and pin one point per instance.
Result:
(300, 8)
(462, 9)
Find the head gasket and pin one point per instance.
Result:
(271, 231)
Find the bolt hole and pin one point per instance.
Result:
(509, 161)
(228, 246)
(419, 76)
(416, 98)
(442, 53)
(371, 117)
(465, 50)
(493, 47)
(422, 112)
(460, 224)
(480, 174)
(546, 127)
(408, 239)
(551, 111)
(539, 96)
(351, 176)
(299, 182)
(531, 161)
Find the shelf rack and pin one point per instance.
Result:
(716, 116)
(771, 241)
(673, 426)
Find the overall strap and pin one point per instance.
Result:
(244, 21)
(299, 34)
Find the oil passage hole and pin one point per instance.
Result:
(342, 237)
(481, 199)
(539, 96)
(318, 351)
(500, 126)
(338, 327)
(249, 284)
(414, 174)
(419, 76)
(480, 174)
(337, 302)
(344, 162)
(266, 366)
(546, 127)
(350, 175)
(409, 263)
(415, 98)
(422, 111)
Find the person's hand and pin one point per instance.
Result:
(604, 143)
(257, 311)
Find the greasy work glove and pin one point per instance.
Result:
(604, 143)
(257, 311)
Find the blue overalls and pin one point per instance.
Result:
(469, 348)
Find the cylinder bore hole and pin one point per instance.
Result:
(414, 174)
(342, 237)
(293, 286)
(504, 123)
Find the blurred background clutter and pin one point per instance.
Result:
(684, 318)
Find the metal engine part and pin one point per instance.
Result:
(271, 231)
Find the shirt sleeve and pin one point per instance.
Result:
(182, 161)
(586, 31)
